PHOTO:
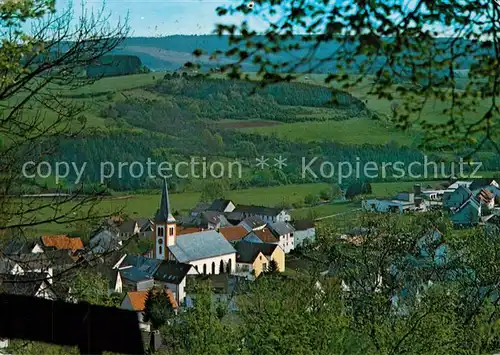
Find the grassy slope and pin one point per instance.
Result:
(347, 132)
(366, 131)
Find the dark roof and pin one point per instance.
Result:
(303, 224)
(60, 257)
(26, 284)
(253, 222)
(172, 272)
(33, 261)
(258, 210)
(127, 226)
(104, 241)
(134, 274)
(145, 265)
(219, 205)
(210, 217)
(203, 219)
(164, 213)
(281, 228)
(19, 246)
(480, 183)
(234, 216)
(246, 252)
(200, 207)
(145, 224)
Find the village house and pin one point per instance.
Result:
(248, 255)
(172, 275)
(104, 241)
(267, 214)
(250, 261)
(222, 206)
(200, 207)
(136, 300)
(284, 232)
(205, 220)
(137, 272)
(143, 227)
(305, 233)
(393, 205)
(468, 214)
(208, 251)
(453, 199)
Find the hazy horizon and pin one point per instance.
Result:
(154, 18)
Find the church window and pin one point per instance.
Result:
(160, 231)
(171, 231)
(160, 250)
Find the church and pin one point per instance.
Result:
(208, 251)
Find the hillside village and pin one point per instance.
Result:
(228, 243)
(469, 203)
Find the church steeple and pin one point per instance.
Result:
(165, 227)
(164, 214)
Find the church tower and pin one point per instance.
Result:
(164, 226)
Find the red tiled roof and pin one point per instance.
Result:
(233, 233)
(138, 299)
(485, 195)
(266, 235)
(188, 230)
(62, 242)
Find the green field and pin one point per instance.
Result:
(147, 204)
(366, 131)
(348, 132)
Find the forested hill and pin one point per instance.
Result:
(171, 52)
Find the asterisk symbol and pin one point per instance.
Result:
(262, 162)
(280, 162)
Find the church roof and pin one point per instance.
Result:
(164, 213)
(200, 245)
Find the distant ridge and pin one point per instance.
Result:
(168, 53)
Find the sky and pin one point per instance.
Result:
(165, 17)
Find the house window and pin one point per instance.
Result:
(160, 231)
(260, 257)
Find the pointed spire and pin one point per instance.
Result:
(164, 214)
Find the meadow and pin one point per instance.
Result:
(143, 205)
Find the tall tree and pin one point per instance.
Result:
(41, 64)
(158, 308)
